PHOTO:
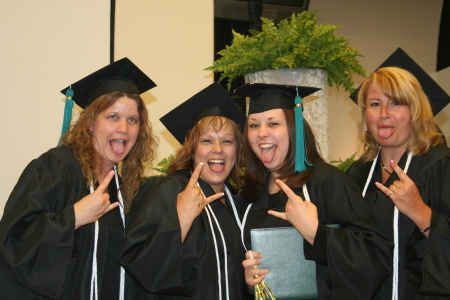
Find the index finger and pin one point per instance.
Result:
(399, 171)
(196, 174)
(289, 193)
(103, 187)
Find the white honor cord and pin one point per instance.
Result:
(122, 215)
(210, 212)
(395, 227)
(94, 282)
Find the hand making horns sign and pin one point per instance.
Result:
(406, 197)
(301, 214)
(191, 202)
(93, 206)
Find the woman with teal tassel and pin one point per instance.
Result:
(284, 168)
(63, 224)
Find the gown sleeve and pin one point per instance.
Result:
(37, 228)
(427, 260)
(152, 252)
(353, 251)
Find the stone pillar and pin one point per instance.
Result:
(315, 106)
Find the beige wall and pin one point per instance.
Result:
(48, 44)
(377, 28)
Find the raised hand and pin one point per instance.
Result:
(191, 202)
(301, 214)
(93, 206)
(406, 197)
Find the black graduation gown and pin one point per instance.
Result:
(41, 255)
(167, 269)
(351, 262)
(424, 263)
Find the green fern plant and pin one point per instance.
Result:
(344, 165)
(163, 166)
(295, 42)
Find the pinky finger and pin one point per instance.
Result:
(384, 189)
(214, 198)
(281, 215)
(112, 206)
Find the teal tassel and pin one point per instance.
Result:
(68, 106)
(301, 160)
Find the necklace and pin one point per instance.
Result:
(382, 165)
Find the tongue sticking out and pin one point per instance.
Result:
(217, 168)
(118, 146)
(385, 132)
(267, 154)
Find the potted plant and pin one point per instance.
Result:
(296, 51)
(295, 42)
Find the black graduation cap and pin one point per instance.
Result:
(264, 96)
(438, 97)
(211, 101)
(120, 76)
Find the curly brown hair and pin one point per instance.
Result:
(183, 157)
(80, 139)
(401, 86)
(256, 173)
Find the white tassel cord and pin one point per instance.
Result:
(94, 276)
(209, 213)
(394, 224)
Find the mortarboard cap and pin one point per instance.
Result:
(211, 101)
(264, 96)
(438, 97)
(120, 76)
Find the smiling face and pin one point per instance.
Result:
(217, 151)
(389, 122)
(115, 131)
(268, 136)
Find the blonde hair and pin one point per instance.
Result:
(183, 157)
(80, 139)
(401, 86)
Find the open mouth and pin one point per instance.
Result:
(268, 152)
(385, 131)
(118, 146)
(216, 165)
(265, 146)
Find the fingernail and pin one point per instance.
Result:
(392, 162)
(377, 183)
(201, 164)
(223, 194)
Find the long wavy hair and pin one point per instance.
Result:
(255, 174)
(183, 157)
(80, 139)
(401, 86)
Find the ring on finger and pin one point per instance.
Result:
(392, 188)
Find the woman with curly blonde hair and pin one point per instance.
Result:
(64, 222)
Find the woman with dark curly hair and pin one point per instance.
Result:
(61, 229)
(183, 239)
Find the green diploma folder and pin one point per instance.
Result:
(291, 275)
